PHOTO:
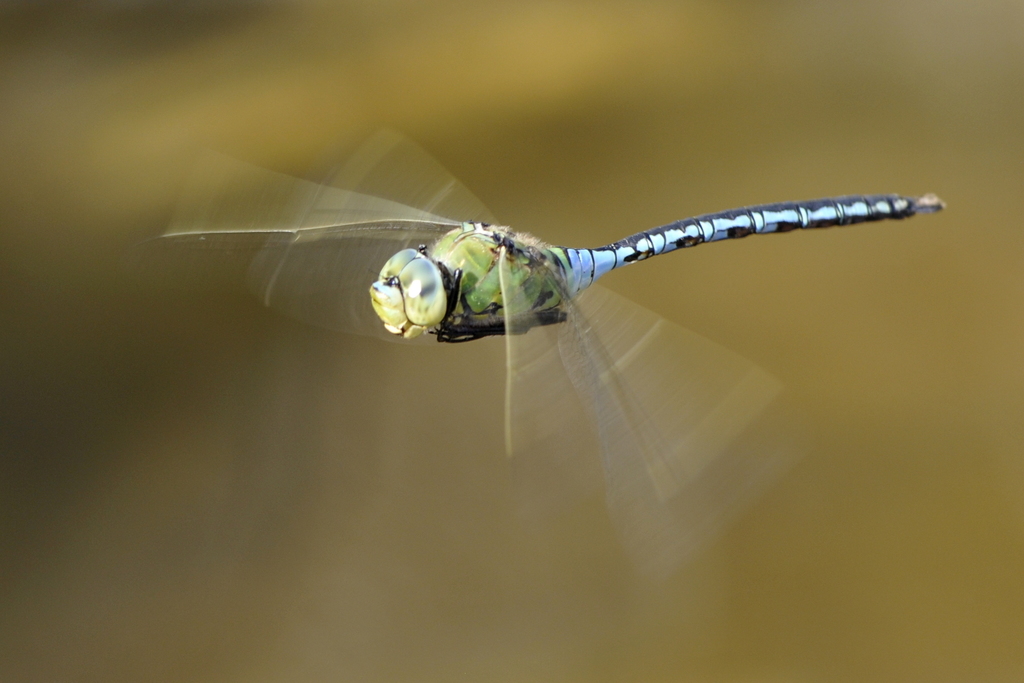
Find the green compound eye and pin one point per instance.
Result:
(422, 290)
(395, 264)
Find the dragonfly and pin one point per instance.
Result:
(392, 246)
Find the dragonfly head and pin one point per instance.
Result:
(409, 294)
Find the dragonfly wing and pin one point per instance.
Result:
(321, 277)
(668, 405)
(390, 165)
(309, 250)
(549, 436)
(388, 178)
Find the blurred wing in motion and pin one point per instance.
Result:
(310, 250)
(390, 165)
(549, 436)
(667, 406)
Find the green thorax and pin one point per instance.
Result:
(535, 273)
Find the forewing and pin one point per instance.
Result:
(669, 406)
(309, 250)
(390, 165)
(549, 437)
(388, 178)
(323, 277)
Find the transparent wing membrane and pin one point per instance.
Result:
(226, 195)
(310, 250)
(549, 436)
(323, 277)
(390, 165)
(665, 408)
(669, 406)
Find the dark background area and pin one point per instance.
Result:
(195, 488)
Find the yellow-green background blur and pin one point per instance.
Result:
(193, 488)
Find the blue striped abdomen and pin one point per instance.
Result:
(589, 264)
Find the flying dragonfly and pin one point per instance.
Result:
(392, 246)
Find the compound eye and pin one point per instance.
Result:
(423, 291)
(387, 302)
(395, 264)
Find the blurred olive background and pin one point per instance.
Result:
(193, 488)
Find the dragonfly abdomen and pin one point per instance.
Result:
(589, 264)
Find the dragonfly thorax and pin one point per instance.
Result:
(409, 295)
